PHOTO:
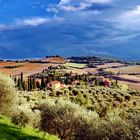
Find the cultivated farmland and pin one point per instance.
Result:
(133, 69)
(26, 67)
(75, 65)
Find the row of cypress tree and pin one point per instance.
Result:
(30, 83)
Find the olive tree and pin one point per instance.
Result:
(8, 94)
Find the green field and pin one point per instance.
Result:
(75, 65)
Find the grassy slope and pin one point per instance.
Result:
(11, 132)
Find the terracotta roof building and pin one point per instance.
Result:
(104, 81)
(55, 85)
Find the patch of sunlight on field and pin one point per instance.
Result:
(76, 65)
(128, 69)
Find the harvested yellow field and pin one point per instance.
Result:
(109, 65)
(26, 67)
(126, 70)
(91, 70)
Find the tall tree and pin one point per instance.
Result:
(24, 85)
(21, 78)
(43, 82)
(19, 84)
(29, 88)
(34, 83)
(31, 83)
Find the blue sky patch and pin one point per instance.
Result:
(37, 28)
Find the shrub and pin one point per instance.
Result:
(116, 104)
(110, 100)
(43, 97)
(119, 99)
(59, 93)
(93, 93)
(28, 98)
(69, 88)
(127, 97)
(90, 91)
(8, 95)
(115, 129)
(84, 128)
(21, 118)
(92, 101)
(90, 108)
(75, 92)
(125, 104)
(134, 103)
(57, 118)
(70, 121)
(134, 120)
(102, 111)
(51, 94)
(115, 95)
(79, 99)
(65, 119)
(24, 116)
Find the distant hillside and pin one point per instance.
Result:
(55, 59)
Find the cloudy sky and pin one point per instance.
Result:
(36, 28)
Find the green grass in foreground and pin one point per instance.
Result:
(11, 132)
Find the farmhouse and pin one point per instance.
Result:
(107, 83)
(55, 85)
(104, 81)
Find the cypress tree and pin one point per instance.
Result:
(42, 82)
(48, 79)
(24, 85)
(34, 83)
(19, 84)
(21, 77)
(29, 84)
(37, 84)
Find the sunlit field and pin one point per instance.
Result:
(126, 70)
(75, 65)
